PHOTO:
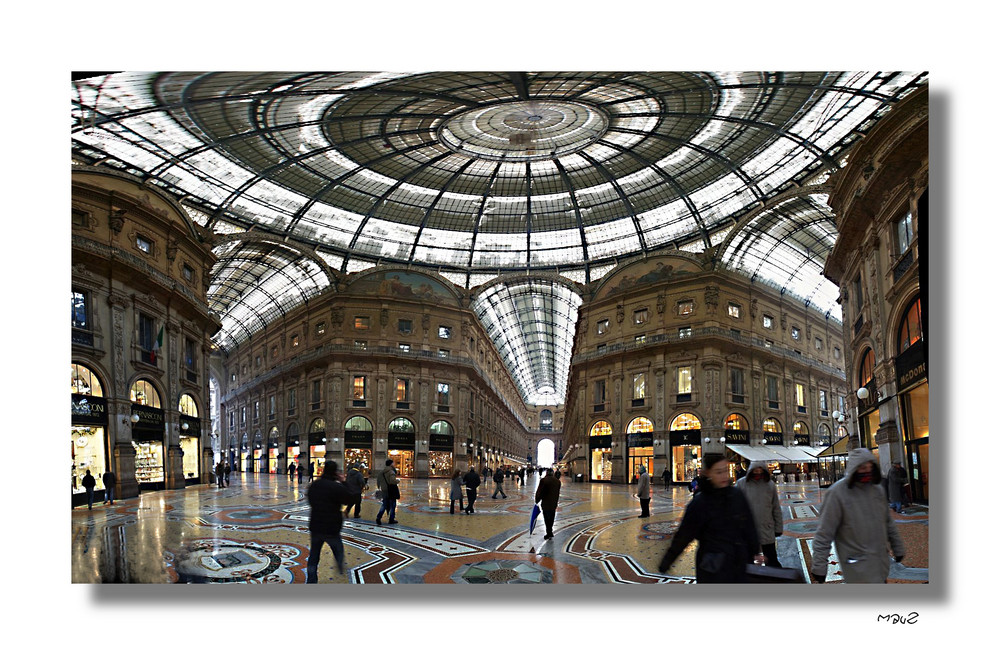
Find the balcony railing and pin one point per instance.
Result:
(902, 266)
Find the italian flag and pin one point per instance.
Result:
(157, 345)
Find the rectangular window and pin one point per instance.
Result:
(291, 401)
(858, 297)
(640, 316)
(800, 397)
(734, 310)
(187, 272)
(639, 386)
(602, 326)
(836, 352)
(271, 407)
(824, 408)
(81, 310)
(362, 322)
(685, 307)
(256, 361)
(295, 341)
(772, 392)
(684, 332)
(404, 347)
(602, 348)
(443, 395)
(640, 338)
(320, 329)
(795, 333)
(243, 416)
(840, 404)
(359, 387)
(256, 411)
(144, 244)
(146, 332)
(768, 321)
(444, 353)
(444, 332)
(402, 390)
(316, 393)
(598, 395)
(768, 343)
(405, 326)
(819, 343)
(736, 384)
(904, 233)
(684, 382)
(232, 420)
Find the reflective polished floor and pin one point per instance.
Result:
(256, 532)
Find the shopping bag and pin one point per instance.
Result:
(535, 511)
(770, 575)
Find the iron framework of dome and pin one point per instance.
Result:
(477, 175)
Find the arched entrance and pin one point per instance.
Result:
(546, 452)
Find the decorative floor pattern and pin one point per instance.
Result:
(256, 532)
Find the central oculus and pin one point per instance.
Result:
(524, 130)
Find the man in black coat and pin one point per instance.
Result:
(472, 482)
(327, 496)
(109, 487)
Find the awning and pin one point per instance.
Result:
(813, 450)
(756, 453)
(792, 453)
(839, 448)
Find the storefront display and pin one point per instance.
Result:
(87, 452)
(686, 462)
(189, 445)
(272, 459)
(600, 464)
(916, 428)
(258, 454)
(440, 464)
(362, 456)
(404, 462)
(148, 462)
(317, 457)
(685, 447)
(869, 427)
(291, 456)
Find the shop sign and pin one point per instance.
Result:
(358, 439)
(640, 440)
(869, 403)
(738, 437)
(150, 424)
(442, 442)
(801, 441)
(316, 438)
(685, 437)
(89, 410)
(404, 440)
(603, 441)
(193, 426)
(911, 366)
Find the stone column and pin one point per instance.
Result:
(174, 465)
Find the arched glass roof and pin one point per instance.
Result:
(477, 174)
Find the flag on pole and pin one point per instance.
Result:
(157, 345)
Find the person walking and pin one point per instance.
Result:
(472, 482)
(355, 483)
(666, 476)
(498, 481)
(312, 470)
(456, 491)
(897, 487)
(89, 483)
(547, 493)
(387, 484)
(643, 492)
(109, 487)
(762, 494)
(855, 516)
(291, 471)
(298, 473)
(219, 474)
(720, 518)
(228, 470)
(326, 496)
(522, 476)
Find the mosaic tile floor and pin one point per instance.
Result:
(256, 532)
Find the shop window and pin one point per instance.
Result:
(685, 422)
(602, 326)
(405, 326)
(639, 424)
(444, 332)
(601, 429)
(736, 385)
(638, 389)
(734, 310)
(737, 422)
(443, 397)
(771, 426)
(143, 393)
(800, 398)
(867, 369)
(772, 392)
(640, 316)
(144, 244)
(401, 424)
(684, 384)
(685, 307)
(362, 322)
(904, 233)
(768, 321)
(684, 332)
(86, 382)
(442, 427)
(911, 328)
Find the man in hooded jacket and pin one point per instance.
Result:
(856, 517)
(643, 492)
(762, 494)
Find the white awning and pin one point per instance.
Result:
(792, 453)
(756, 453)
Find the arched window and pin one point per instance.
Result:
(639, 424)
(85, 381)
(187, 406)
(737, 422)
(358, 424)
(442, 427)
(686, 422)
(911, 327)
(545, 420)
(600, 429)
(401, 424)
(800, 428)
(292, 431)
(867, 369)
(824, 430)
(318, 425)
(772, 425)
(273, 435)
(143, 393)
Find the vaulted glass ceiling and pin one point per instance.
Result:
(475, 174)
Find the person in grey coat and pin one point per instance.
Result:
(355, 483)
(456, 491)
(643, 492)
(856, 517)
(762, 494)
(897, 486)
